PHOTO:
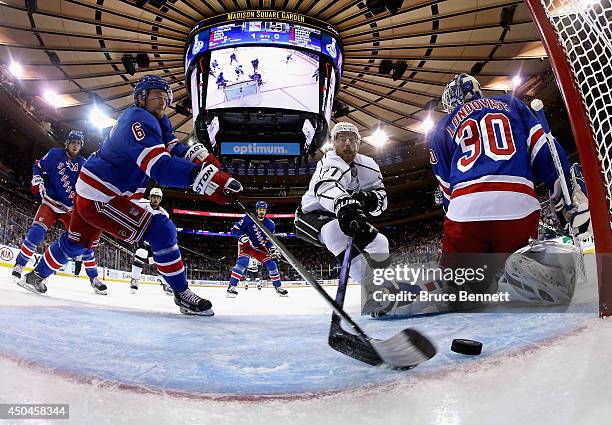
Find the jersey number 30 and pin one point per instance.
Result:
(493, 134)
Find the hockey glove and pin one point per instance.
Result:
(218, 185)
(578, 214)
(38, 186)
(275, 253)
(353, 222)
(368, 200)
(198, 154)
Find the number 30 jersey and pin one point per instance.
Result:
(486, 156)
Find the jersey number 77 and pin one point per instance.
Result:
(493, 134)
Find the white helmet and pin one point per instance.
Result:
(462, 88)
(156, 191)
(345, 126)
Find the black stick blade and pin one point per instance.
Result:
(404, 350)
(353, 346)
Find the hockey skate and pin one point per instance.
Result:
(167, 289)
(133, 286)
(33, 282)
(282, 292)
(259, 287)
(17, 271)
(99, 287)
(231, 292)
(190, 303)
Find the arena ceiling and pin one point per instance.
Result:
(75, 48)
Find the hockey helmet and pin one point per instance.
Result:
(345, 126)
(156, 191)
(261, 204)
(75, 135)
(462, 88)
(149, 82)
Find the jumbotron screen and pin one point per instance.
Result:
(261, 76)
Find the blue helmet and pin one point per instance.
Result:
(149, 82)
(75, 135)
(461, 89)
(261, 204)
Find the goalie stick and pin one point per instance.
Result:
(404, 350)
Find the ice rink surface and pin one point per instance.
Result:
(264, 360)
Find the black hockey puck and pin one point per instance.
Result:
(466, 346)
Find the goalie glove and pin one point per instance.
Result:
(218, 185)
(577, 214)
(38, 186)
(198, 154)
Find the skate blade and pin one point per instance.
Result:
(24, 285)
(188, 312)
(133, 291)
(231, 295)
(99, 292)
(283, 295)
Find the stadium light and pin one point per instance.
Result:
(427, 125)
(16, 69)
(516, 81)
(99, 119)
(379, 138)
(52, 98)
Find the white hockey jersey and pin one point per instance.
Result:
(334, 177)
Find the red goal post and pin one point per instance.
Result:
(577, 39)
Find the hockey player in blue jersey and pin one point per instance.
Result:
(255, 63)
(53, 179)
(141, 146)
(221, 81)
(253, 243)
(487, 155)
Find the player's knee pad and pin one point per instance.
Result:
(35, 235)
(70, 248)
(161, 233)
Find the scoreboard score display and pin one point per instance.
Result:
(238, 33)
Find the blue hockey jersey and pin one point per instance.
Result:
(246, 226)
(138, 147)
(486, 156)
(59, 173)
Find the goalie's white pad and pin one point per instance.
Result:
(544, 272)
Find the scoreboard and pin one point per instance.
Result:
(264, 32)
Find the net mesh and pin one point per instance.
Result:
(584, 33)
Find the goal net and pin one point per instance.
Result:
(243, 93)
(578, 39)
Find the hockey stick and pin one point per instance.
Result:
(406, 349)
(339, 339)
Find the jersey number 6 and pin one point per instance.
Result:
(493, 133)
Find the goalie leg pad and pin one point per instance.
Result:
(543, 273)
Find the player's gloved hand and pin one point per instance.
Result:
(38, 186)
(353, 221)
(218, 185)
(198, 154)
(368, 200)
(275, 253)
(244, 241)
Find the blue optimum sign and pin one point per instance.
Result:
(261, 149)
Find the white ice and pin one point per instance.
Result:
(264, 360)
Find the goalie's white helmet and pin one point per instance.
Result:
(462, 88)
(156, 191)
(344, 126)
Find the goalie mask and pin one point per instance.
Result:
(461, 89)
(544, 272)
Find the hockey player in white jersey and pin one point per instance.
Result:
(345, 189)
(144, 253)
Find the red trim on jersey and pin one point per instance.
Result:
(96, 184)
(89, 264)
(236, 275)
(534, 138)
(494, 187)
(155, 152)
